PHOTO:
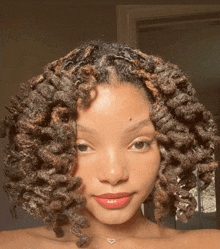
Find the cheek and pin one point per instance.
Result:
(147, 169)
(83, 165)
(146, 176)
(86, 168)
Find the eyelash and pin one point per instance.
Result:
(147, 144)
(77, 146)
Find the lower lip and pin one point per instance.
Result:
(113, 203)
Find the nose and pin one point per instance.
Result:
(113, 168)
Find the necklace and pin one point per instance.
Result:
(111, 241)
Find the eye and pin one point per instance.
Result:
(140, 145)
(82, 148)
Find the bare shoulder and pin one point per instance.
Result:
(193, 239)
(20, 239)
(208, 238)
(35, 238)
(6, 238)
(10, 239)
(200, 239)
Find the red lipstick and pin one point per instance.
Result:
(113, 201)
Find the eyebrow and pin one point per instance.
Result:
(142, 123)
(85, 129)
(145, 122)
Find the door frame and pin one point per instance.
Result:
(128, 17)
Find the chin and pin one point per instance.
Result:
(95, 211)
(113, 216)
(115, 219)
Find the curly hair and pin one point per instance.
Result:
(40, 157)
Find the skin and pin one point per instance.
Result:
(116, 155)
(112, 160)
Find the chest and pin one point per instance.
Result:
(97, 243)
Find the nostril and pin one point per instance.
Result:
(113, 175)
(103, 181)
(115, 181)
(125, 179)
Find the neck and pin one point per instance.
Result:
(130, 228)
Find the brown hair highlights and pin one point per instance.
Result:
(42, 130)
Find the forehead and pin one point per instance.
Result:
(115, 103)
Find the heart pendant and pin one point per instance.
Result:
(111, 241)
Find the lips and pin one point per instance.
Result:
(113, 196)
(113, 201)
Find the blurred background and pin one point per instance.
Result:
(34, 33)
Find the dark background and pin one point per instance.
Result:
(34, 33)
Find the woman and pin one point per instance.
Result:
(92, 137)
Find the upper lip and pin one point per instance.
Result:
(113, 195)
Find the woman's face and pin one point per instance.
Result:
(117, 152)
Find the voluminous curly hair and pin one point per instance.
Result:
(40, 158)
